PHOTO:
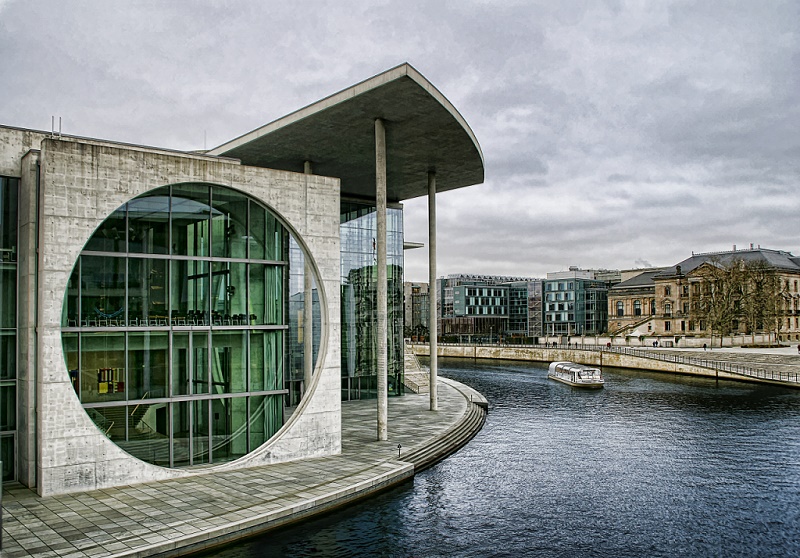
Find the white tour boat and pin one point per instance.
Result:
(576, 375)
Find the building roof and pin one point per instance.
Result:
(644, 279)
(424, 132)
(777, 259)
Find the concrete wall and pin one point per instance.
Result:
(81, 183)
(539, 354)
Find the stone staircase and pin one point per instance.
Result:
(415, 378)
(455, 437)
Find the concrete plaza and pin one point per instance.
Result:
(173, 517)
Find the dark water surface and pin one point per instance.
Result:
(652, 465)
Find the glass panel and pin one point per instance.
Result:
(180, 364)
(7, 455)
(70, 342)
(110, 236)
(8, 407)
(200, 432)
(8, 295)
(190, 292)
(266, 418)
(267, 235)
(229, 293)
(8, 355)
(229, 428)
(148, 223)
(102, 367)
(8, 221)
(229, 224)
(200, 370)
(147, 362)
(258, 239)
(266, 360)
(148, 433)
(190, 219)
(266, 288)
(147, 292)
(229, 362)
(70, 315)
(112, 421)
(103, 291)
(180, 434)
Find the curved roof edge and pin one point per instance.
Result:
(404, 69)
(424, 132)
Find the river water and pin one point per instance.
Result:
(652, 465)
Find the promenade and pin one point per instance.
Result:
(777, 366)
(171, 518)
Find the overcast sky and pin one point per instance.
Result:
(615, 134)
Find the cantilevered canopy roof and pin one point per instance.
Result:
(337, 134)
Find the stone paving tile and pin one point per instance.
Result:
(114, 522)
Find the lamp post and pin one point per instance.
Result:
(491, 333)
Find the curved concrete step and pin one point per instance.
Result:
(451, 440)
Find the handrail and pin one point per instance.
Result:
(728, 367)
(137, 405)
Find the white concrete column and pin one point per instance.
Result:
(308, 314)
(382, 334)
(434, 362)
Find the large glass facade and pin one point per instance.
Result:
(8, 325)
(175, 325)
(357, 229)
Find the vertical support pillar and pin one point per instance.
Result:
(432, 293)
(308, 314)
(382, 294)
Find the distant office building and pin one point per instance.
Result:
(525, 308)
(490, 306)
(576, 303)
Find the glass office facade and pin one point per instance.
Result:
(358, 226)
(8, 325)
(174, 325)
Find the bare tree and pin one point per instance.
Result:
(762, 301)
(718, 302)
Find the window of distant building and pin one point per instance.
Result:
(667, 309)
(667, 326)
(667, 291)
(637, 307)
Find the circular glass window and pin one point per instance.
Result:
(180, 328)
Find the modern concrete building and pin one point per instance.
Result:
(167, 312)
(489, 307)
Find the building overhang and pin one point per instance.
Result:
(424, 132)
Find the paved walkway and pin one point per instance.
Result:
(779, 359)
(164, 517)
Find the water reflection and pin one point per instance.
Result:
(652, 465)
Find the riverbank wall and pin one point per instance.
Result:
(615, 357)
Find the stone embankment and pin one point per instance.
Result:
(750, 367)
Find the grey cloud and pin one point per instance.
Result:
(613, 133)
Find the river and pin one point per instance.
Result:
(651, 465)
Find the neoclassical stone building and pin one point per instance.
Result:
(664, 303)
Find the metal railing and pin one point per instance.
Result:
(718, 365)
